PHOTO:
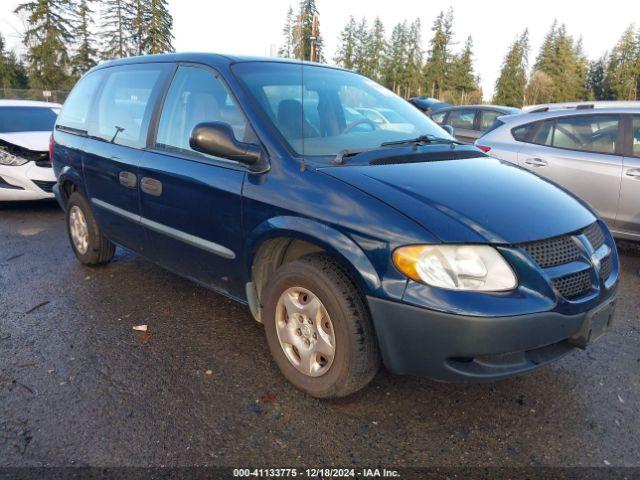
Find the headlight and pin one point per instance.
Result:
(7, 158)
(456, 267)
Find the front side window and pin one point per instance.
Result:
(27, 119)
(75, 112)
(462, 118)
(636, 136)
(196, 96)
(124, 105)
(322, 111)
(587, 133)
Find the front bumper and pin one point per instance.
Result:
(26, 182)
(460, 348)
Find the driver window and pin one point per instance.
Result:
(196, 95)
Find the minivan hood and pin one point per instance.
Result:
(472, 200)
(34, 141)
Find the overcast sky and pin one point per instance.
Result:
(254, 26)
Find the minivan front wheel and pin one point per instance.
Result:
(318, 328)
(87, 241)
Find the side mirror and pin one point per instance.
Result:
(449, 129)
(217, 139)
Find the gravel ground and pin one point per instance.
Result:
(79, 387)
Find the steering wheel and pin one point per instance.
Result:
(360, 121)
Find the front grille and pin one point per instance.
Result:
(594, 235)
(606, 267)
(552, 252)
(45, 186)
(573, 285)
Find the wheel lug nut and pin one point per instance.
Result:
(307, 341)
(298, 332)
(315, 336)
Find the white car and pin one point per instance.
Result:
(25, 130)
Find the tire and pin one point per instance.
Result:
(355, 359)
(99, 250)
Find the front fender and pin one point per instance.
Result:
(330, 239)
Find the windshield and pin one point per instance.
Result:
(324, 111)
(27, 119)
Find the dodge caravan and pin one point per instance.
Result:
(353, 243)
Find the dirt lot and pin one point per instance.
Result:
(79, 387)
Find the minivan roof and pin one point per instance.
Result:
(212, 59)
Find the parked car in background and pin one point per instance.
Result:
(545, 107)
(350, 242)
(428, 105)
(469, 122)
(593, 152)
(25, 132)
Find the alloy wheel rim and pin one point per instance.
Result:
(79, 230)
(305, 331)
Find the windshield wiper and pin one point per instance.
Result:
(421, 140)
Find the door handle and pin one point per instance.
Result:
(128, 179)
(536, 162)
(151, 186)
(633, 172)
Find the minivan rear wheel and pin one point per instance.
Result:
(318, 328)
(87, 241)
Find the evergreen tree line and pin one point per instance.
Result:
(62, 39)
(400, 62)
(563, 73)
(298, 33)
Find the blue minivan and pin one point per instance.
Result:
(354, 242)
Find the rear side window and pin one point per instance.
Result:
(124, 106)
(462, 118)
(438, 117)
(488, 118)
(197, 95)
(586, 133)
(75, 112)
(521, 133)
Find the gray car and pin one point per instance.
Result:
(469, 122)
(593, 152)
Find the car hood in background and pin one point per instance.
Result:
(34, 141)
(471, 200)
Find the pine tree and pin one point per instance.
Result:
(596, 79)
(46, 40)
(413, 69)
(12, 72)
(361, 43)
(396, 58)
(286, 50)
(303, 32)
(159, 36)
(116, 26)
(85, 55)
(438, 62)
(345, 56)
(563, 62)
(375, 51)
(463, 79)
(512, 82)
(139, 17)
(623, 69)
